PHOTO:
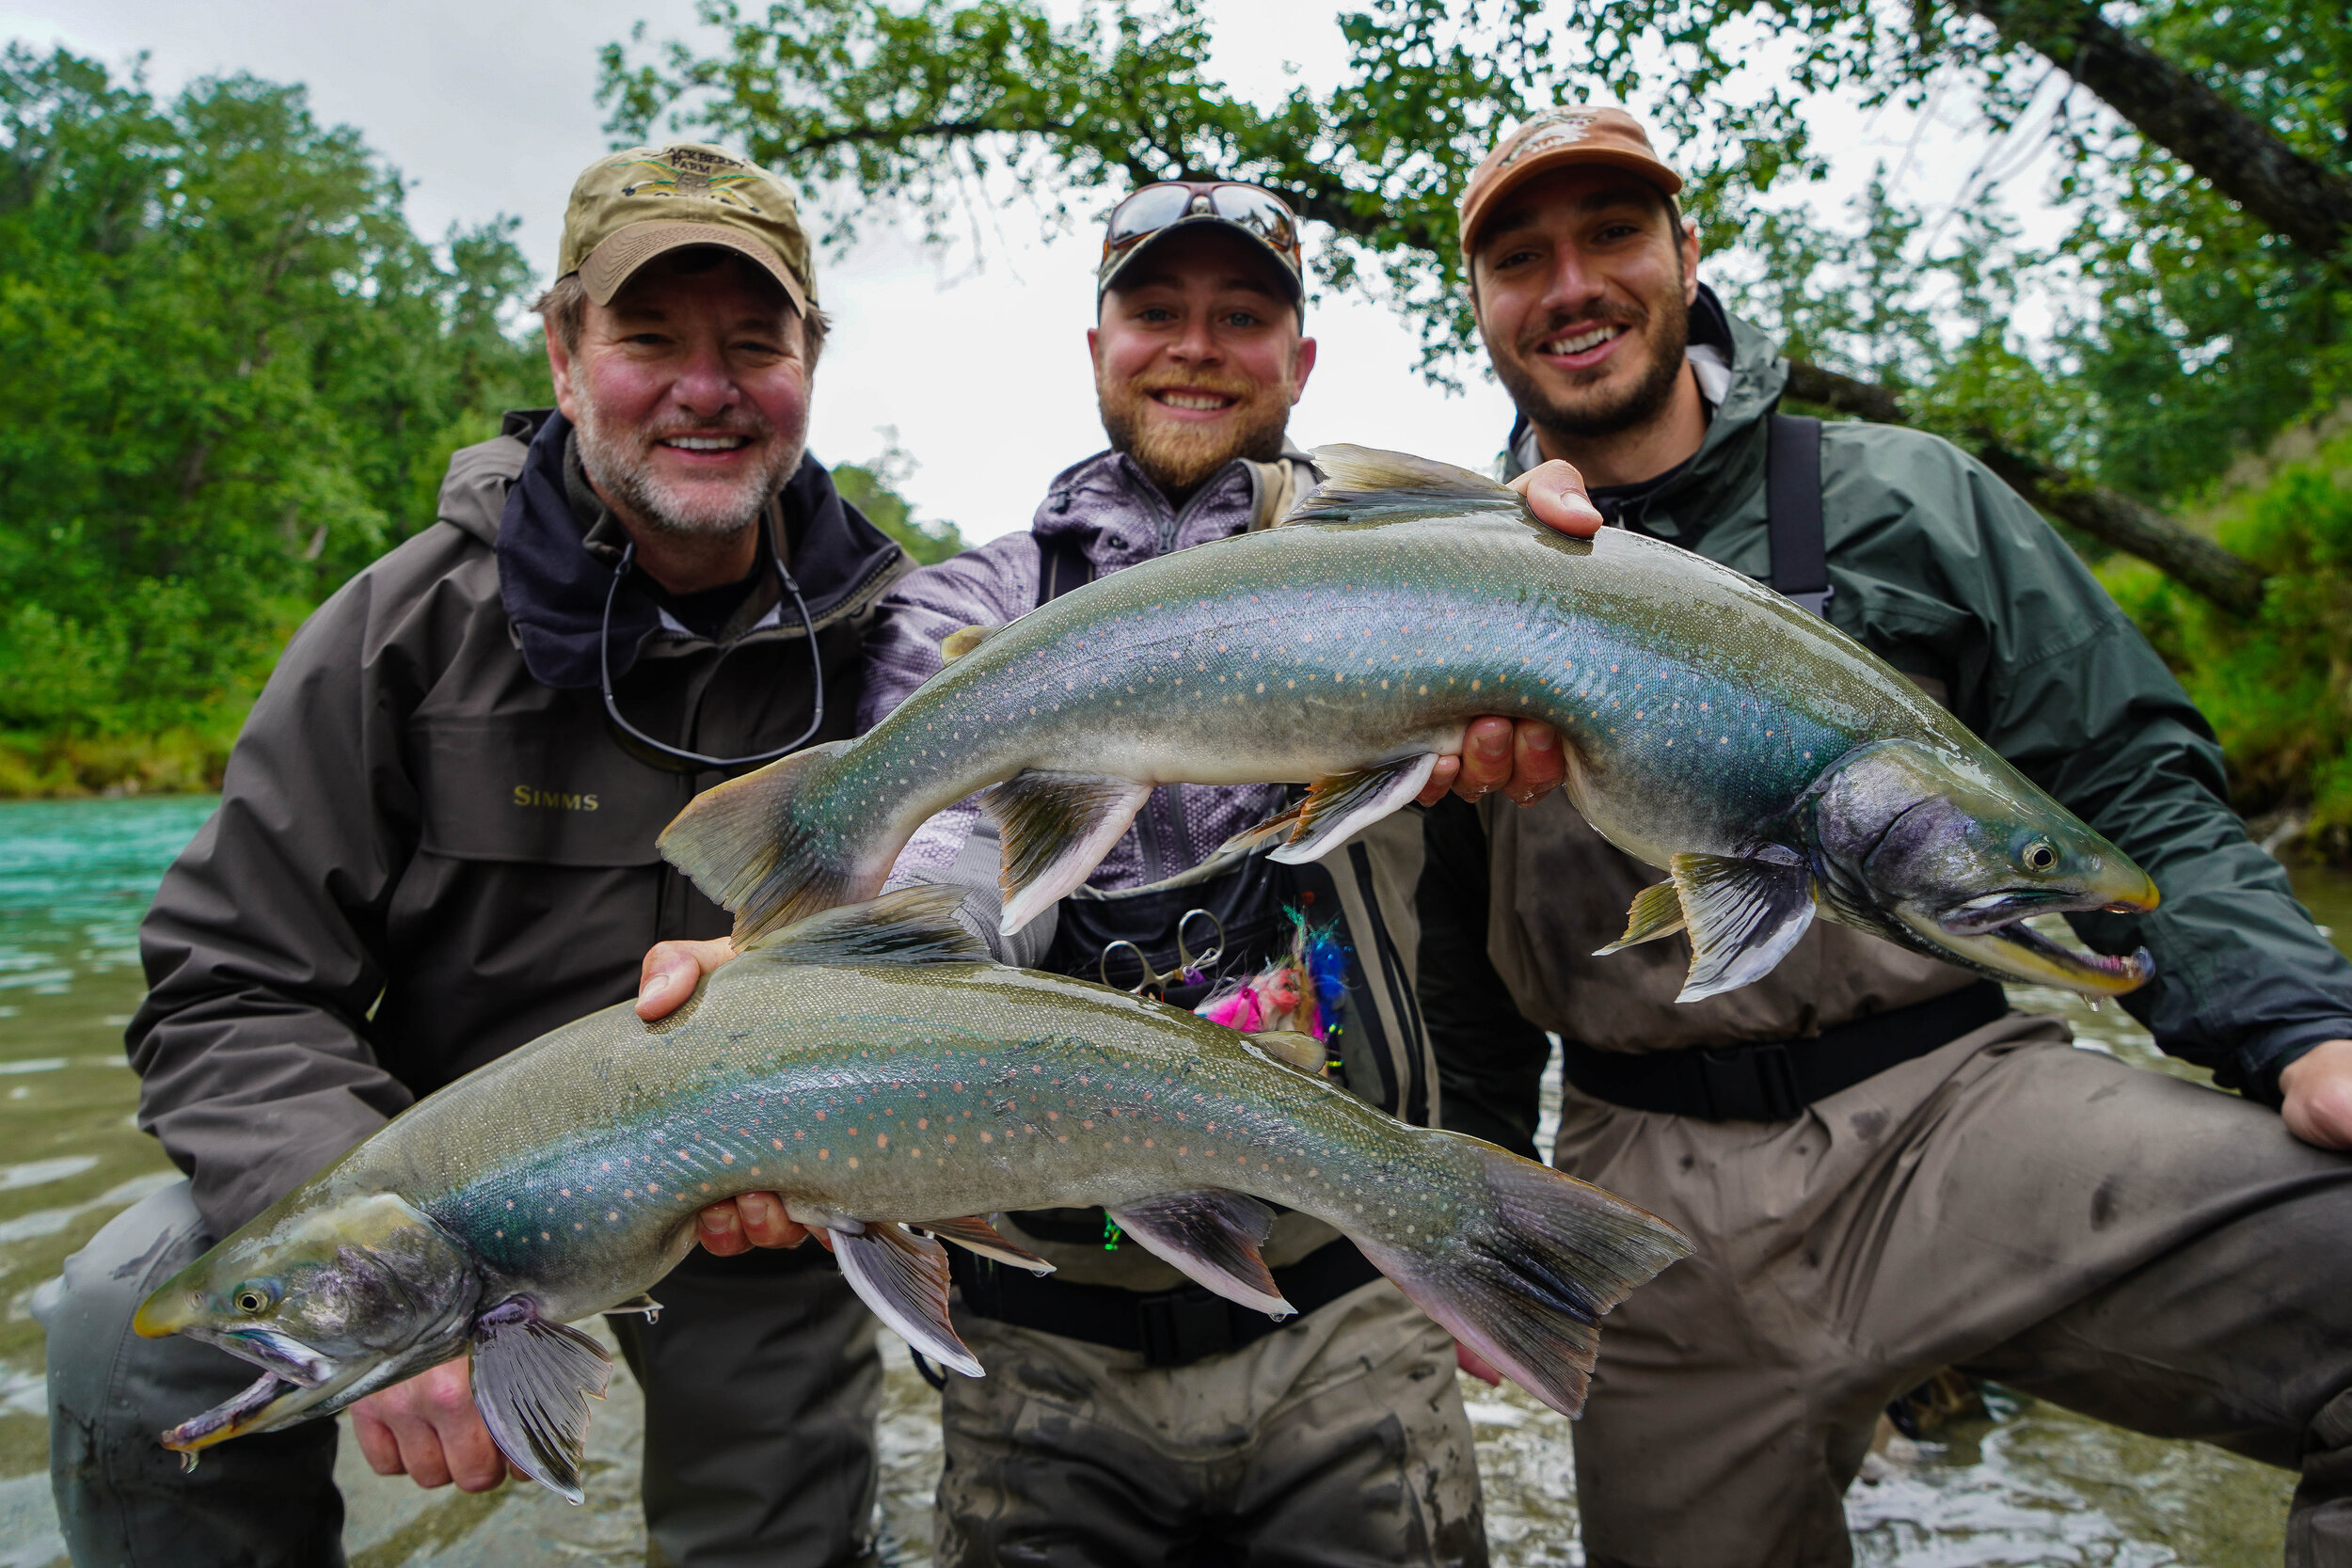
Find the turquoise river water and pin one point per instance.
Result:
(2026, 1484)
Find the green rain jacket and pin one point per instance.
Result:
(1950, 576)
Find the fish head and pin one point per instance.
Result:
(331, 1300)
(1951, 855)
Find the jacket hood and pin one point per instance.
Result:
(554, 583)
(1729, 464)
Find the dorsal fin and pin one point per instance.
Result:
(1364, 484)
(914, 925)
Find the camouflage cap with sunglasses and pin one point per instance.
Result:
(1157, 211)
(630, 207)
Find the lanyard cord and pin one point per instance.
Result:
(666, 756)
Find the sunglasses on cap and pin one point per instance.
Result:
(1158, 207)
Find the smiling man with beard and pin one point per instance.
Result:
(1884, 1169)
(1129, 1416)
(435, 842)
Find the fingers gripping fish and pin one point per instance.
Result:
(1774, 767)
(894, 1085)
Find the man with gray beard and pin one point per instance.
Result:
(435, 842)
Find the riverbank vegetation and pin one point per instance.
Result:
(235, 375)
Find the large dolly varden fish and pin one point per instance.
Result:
(871, 1066)
(1772, 765)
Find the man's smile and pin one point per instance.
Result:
(703, 443)
(1582, 343)
(1185, 399)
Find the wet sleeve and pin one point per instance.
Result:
(265, 947)
(1490, 1060)
(2083, 707)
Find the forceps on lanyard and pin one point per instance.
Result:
(1188, 968)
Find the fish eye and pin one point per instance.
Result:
(254, 1300)
(2040, 856)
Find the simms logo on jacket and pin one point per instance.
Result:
(552, 799)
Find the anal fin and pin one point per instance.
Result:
(1656, 912)
(1212, 1237)
(1338, 807)
(1056, 828)
(1743, 915)
(975, 1234)
(532, 1380)
(903, 1278)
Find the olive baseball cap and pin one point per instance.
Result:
(630, 207)
(1559, 138)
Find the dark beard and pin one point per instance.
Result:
(1639, 404)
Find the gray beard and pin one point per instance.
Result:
(623, 475)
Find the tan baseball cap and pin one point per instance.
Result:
(630, 207)
(1557, 138)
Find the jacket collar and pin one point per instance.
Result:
(1729, 465)
(553, 578)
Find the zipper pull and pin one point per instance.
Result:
(1111, 1234)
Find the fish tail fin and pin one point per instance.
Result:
(770, 847)
(1525, 1282)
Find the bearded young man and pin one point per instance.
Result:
(435, 842)
(1883, 1169)
(1127, 1416)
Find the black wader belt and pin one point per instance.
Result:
(1172, 1328)
(1775, 1080)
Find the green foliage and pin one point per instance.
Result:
(235, 376)
(2279, 690)
(2184, 331)
(873, 489)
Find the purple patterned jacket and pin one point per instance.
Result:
(1116, 517)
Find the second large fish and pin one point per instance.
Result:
(1774, 766)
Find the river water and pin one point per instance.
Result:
(2025, 1485)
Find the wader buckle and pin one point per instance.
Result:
(1750, 1083)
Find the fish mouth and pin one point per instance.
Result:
(1990, 931)
(271, 1401)
(238, 1414)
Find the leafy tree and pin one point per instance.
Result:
(872, 487)
(236, 375)
(2195, 325)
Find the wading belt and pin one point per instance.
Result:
(1172, 1328)
(1775, 1080)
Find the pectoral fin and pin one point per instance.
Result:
(975, 1234)
(1743, 915)
(1656, 913)
(1211, 1236)
(1056, 828)
(903, 1279)
(1338, 807)
(962, 641)
(532, 1380)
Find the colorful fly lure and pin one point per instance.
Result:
(1302, 992)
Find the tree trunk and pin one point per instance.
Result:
(2113, 518)
(2246, 160)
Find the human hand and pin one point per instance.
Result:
(2318, 1089)
(1519, 756)
(1555, 493)
(748, 1220)
(1475, 1364)
(671, 972)
(428, 1429)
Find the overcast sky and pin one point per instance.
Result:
(490, 108)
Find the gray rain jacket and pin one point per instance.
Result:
(428, 848)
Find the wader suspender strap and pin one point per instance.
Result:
(1792, 502)
(1061, 566)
